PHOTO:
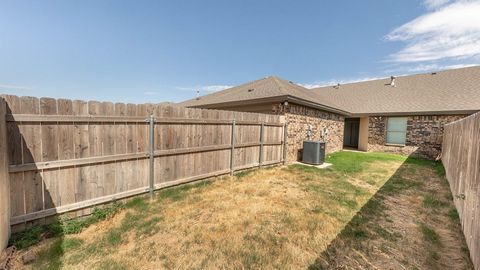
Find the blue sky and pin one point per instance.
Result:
(154, 51)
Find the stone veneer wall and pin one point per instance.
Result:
(300, 117)
(424, 135)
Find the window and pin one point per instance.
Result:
(396, 130)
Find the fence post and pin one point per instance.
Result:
(4, 180)
(285, 127)
(151, 154)
(260, 161)
(232, 150)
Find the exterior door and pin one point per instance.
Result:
(352, 128)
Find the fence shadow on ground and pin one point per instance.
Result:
(373, 238)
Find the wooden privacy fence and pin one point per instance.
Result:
(4, 181)
(69, 155)
(461, 158)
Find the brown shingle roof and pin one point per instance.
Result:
(450, 91)
(263, 89)
(456, 90)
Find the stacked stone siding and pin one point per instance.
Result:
(300, 117)
(423, 138)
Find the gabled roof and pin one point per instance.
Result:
(455, 91)
(271, 88)
(450, 91)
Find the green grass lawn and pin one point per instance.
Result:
(368, 210)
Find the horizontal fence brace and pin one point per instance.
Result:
(47, 165)
(118, 196)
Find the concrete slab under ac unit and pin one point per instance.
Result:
(323, 166)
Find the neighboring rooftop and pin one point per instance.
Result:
(442, 92)
(456, 90)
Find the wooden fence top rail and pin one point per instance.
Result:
(31, 118)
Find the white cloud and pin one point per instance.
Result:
(14, 87)
(434, 4)
(451, 32)
(435, 67)
(338, 81)
(214, 88)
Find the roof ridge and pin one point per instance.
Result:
(401, 76)
(279, 84)
(282, 81)
(224, 91)
(296, 89)
(438, 70)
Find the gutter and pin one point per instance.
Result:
(416, 113)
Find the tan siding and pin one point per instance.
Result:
(363, 134)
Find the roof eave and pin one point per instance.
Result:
(449, 112)
(220, 105)
(317, 105)
(288, 98)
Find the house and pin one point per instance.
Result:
(404, 114)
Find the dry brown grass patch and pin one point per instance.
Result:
(283, 217)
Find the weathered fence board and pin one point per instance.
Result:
(69, 155)
(461, 158)
(4, 181)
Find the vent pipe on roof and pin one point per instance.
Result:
(392, 81)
